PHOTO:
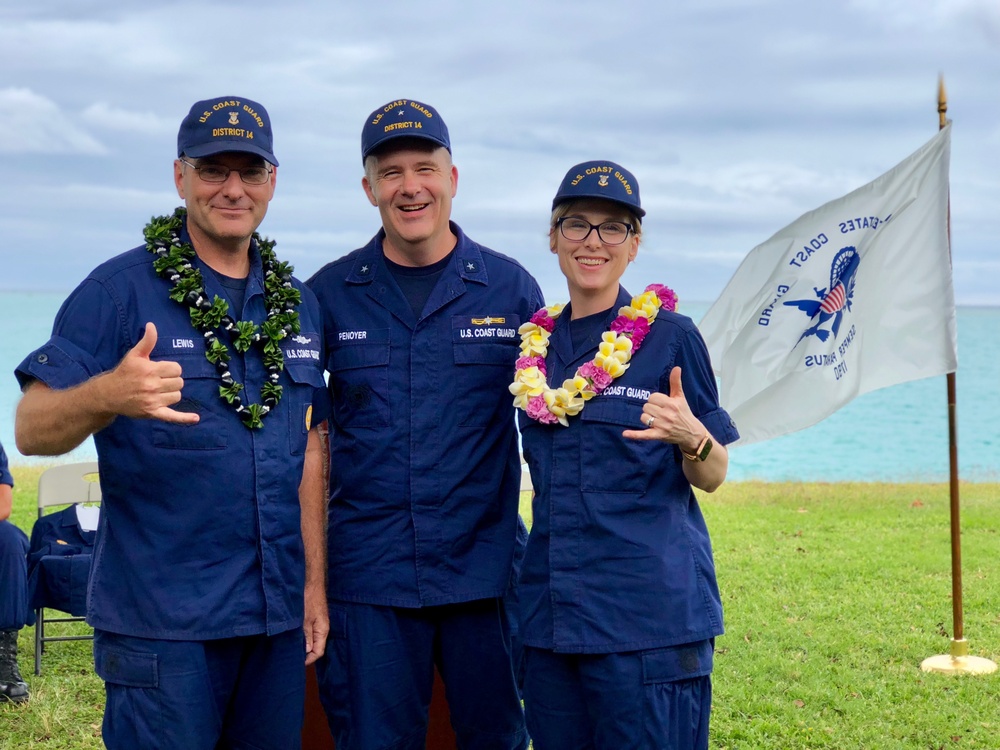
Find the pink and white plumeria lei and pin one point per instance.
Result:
(550, 405)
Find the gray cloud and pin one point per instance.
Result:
(736, 116)
(33, 124)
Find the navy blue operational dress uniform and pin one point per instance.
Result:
(424, 473)
(618, 595)
(196, 589)
(14, 611)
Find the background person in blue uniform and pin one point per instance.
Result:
(421, 329)
(618, 598)
(14, 613)
(209, 558)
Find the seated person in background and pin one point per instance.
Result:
(13, 591)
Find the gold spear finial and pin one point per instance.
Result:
(942, 103)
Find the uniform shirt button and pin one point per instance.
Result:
(42, 358)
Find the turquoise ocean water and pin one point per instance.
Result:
(896, 434)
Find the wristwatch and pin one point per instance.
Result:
(701, 453)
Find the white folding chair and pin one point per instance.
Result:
(68, 484)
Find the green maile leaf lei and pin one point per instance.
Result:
(173, 262)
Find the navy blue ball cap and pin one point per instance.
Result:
(600, 179)
(227, 123)
(403, 118)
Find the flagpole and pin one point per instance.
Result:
(957, 661)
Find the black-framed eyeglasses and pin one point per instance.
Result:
(609, 232)
(219, 173)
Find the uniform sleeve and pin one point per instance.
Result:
(321, 404)
(537, 298)
(532, 299)
(316, 287)
(322, 407)
(88, 338)
(700, 389)
(5, 476)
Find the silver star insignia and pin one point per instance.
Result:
(401, 111)
(488, 320)
(470, 266)
(364, 269)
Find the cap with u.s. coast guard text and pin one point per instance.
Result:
(403, 118)
(600, 179)
(228, 123)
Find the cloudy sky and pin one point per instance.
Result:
(736, 117)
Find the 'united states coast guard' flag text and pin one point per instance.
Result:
(853, 296)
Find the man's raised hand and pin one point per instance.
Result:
(148, 388)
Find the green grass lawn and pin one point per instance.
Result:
(834, 594)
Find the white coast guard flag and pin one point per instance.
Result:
(853, 296)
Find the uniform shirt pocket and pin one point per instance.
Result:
(359, 378)
(503, 354)
(485, 350)
(610, 462)
(199, 395)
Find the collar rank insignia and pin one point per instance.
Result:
(470, 266)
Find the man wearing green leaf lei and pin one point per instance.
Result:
(194, 361)
(173, 262)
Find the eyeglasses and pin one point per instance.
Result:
(219, 173)
(609, 232)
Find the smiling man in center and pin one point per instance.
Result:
(424, 467)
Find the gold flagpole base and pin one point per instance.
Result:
(958, 661)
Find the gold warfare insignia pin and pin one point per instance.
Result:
(234, 118)
(487, 321)
(309, 417)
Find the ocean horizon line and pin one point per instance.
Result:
(965, 305)
(893, 435)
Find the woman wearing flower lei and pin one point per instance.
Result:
(620, 420)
